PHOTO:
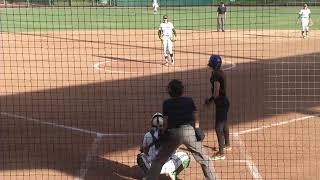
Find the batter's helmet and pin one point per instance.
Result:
(157, 120)
(215, 61)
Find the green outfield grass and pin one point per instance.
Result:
(81, 18)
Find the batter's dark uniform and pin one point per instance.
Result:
(222, 105)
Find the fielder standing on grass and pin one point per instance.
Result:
(306, 21)
(180, 119)
(167, 34)
(221, 17)
(219, 96)
(155, 6)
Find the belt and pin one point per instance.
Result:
(180, 126)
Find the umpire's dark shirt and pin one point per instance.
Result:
(222, 10)
(180, 111)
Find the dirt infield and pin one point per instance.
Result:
(75, 104)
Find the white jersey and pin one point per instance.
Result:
(166, 29)
(155, 4)
(304, 13)
(147, 140)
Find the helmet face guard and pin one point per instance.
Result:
(215, 62)
(165, 18)
(157, 120)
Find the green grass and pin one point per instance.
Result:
(81, 18)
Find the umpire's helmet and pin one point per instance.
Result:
(157, 120)
(215, 62)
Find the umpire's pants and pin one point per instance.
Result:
(220, 22)
(185, 134)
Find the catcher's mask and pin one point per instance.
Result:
(157, 120)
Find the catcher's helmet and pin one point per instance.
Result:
(157, 120)
(215, 61)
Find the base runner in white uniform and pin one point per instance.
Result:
(167, 34)
(155, 6)
(149, 150)
(305, 18)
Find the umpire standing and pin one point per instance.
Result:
(180, 118)
(221, 17)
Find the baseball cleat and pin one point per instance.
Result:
(218, 156)
(227, 148)
(166, 61)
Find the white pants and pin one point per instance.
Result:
(175, 161)
(155, 6)
(304, 24)
(167, 46)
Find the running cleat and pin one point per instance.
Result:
(218, 156)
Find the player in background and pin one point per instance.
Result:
(167, 34)
(306, 21)
(155, 6)
(221, 16)
(150, 149)
(221, 101)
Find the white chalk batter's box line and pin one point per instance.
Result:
(248, 159)
(92, 151)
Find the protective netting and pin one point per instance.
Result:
(80, 84)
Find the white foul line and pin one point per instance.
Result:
(248, 160)
(94, 147)
(68, 127)
(275, 124)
